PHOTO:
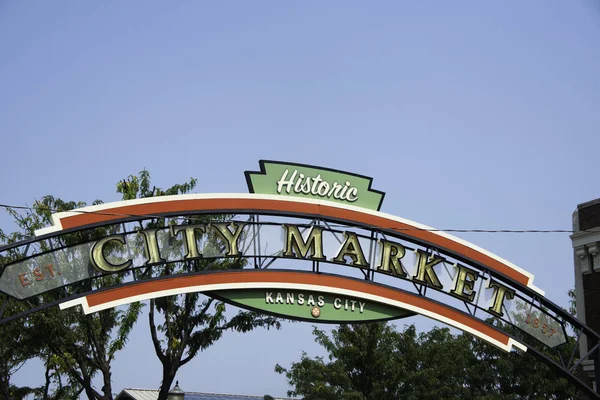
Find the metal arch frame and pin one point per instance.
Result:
(400, 235)
(182, 205)
(566, 367)
(260, 260)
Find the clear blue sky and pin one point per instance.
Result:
(468, 114)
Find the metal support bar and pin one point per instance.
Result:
(557, 368)
(575, 348)
(467, 307)
(597, 370)
(245, 249)
(479, 292)
(582, 359)
(365, 273)
(254, 241)
(418, 287)
(269, 263)
(371, 256)
(258, 238)
(335, 235)
(6, 298)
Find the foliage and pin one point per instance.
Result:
(74, 347)
(375, 361)
(190, 322)
(572, 303)
(13, 353)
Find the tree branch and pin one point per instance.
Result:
(155, 340)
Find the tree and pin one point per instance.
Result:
(13, 353)
(74, 347)
(25, 344)
(190, 322)
(365, 361)
(375, 361)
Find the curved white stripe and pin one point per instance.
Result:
(57, 226)
(282, 285)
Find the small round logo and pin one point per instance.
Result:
(315, 312)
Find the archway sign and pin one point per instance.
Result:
(306, 243)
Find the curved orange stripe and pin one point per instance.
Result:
(178, 282)
(258, 205)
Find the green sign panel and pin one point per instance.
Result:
(312, 306)
(287, 179)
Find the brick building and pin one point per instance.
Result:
(586, 248)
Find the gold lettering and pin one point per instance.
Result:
(297, 247)
(191, 246)
(500, 294)
(351, 248)
(465, 282)
(391, 253)
(97, 255)
(152, 251)
(425, 272)
(230, 238)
